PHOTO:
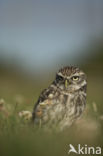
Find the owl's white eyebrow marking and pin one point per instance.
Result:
(60, 74)
(68, 77)
(64, 76)
(76, 74)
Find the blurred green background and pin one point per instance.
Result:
(37, 38)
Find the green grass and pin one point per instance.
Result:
(20, 137)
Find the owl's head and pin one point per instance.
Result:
(70, 79)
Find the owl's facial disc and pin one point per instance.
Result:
(62, 82)
(70, 79)
(72, 82)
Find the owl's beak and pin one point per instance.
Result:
(66, 84)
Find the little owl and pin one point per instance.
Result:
(63, 101)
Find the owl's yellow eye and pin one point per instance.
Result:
(75, 78)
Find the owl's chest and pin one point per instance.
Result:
(58, 108)
(63, 108)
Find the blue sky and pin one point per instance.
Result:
(41, 32)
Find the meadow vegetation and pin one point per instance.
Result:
(19, 137)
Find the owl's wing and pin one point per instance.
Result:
(43, 100)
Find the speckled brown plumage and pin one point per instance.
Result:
(63, 101)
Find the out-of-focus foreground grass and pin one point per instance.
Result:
(19, 137)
